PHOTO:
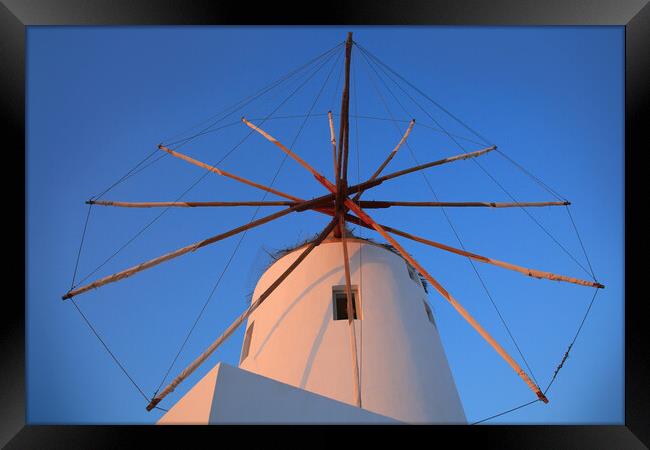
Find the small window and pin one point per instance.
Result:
(247, 342)
(429, 313)
(340, 302)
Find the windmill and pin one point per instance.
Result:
(342, 202)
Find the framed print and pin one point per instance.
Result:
(493, 139)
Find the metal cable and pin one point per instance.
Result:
(492, 178)
(453, 228)
(196, 182)
(216, 285)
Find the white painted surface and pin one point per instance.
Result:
(194, 407)
(404, 370)
(230, 395)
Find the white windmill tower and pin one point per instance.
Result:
(299, 337)
(338, 329)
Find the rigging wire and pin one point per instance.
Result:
(336, 88)
(506, 412)
(532, 177)
(85, 318)
(210, 129)
(525, 210)
(197, 181)
(581, 243)
(438, 130)
(83, 237)
(117, 361)
(566, 354)
(451, 225)
(325, 57)
(123, 177)
(552, 192)
(215, 130)
(240, 104)
(134, 172)
(92, 328)
(471, 130)
(262, 91)
(216, 285)
(486, 141)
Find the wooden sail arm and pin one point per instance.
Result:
(367, 204)
(230, 330)
(193, 247)
(526, 271)
(342, 176)
(333, 141)
(228, 174)
(350, 311)
(391, 155)
(438, 287)
(437, 163)
(387, 204)
(186, 204)
(324, 181)
(279, 144)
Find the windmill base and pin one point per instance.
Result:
(230, 395)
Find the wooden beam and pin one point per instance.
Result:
(229, 331)
(391, 155)
(192, 247)
(184, 204)
(366, 204)
(484, 259)
(350, 310)
(333, 141)
(388, 203)
(280, 145)
(344, 118)
(227, 174)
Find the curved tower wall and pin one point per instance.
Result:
(294, 338)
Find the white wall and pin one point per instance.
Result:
(404, 370)
(229, 395)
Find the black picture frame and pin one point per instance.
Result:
(16, 15)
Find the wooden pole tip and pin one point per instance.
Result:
(152, 404)
(541, 396)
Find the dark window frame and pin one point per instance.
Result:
(338, 294)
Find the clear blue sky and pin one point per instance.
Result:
(100, 99)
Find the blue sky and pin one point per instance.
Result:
(100, 99)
